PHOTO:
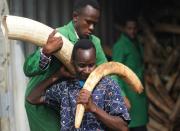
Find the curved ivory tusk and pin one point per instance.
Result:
(105, 69)
(20, 28)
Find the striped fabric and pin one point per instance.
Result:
(44, 60)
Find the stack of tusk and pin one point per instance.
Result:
(25, 29)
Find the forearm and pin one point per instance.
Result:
(31, 65)
(35, 97)
(115, 123)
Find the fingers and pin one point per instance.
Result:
(85, 92)
(53, 44)
(53, 33)
(84, 97)
(52, 36)
(58, 40)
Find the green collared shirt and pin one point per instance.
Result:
(130, 53)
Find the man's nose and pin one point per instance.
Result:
(91, 27)
(87, 70)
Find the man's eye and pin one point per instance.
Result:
(91, 22)
(81, 65)
(91, 65)
(88, 22)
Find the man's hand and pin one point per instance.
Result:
(63, 73)
(53, 44)
(86, 99)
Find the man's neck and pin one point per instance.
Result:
(132, 39)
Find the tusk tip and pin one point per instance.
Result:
(77, 126)
(140, 90)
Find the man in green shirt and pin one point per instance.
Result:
(41, 64)
(129, 51)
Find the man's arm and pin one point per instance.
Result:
(112, 122)
(36, 96)
(39, 61)
(31, 65)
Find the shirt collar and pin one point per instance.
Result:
(81, 83)
(76, 34)
(72, 34)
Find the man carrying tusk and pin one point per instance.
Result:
(41, 64)
(105, 108)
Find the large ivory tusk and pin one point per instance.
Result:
(20, 28)
(105, 69)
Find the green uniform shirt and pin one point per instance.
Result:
(130, 53)
(42, 118)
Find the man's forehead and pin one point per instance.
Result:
(88, 9)
(83, 53)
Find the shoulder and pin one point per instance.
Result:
(58, 85)
(95, 39)
(63, 30)
(122, 40)
(122, 45)
(66, 29)
(108, 82)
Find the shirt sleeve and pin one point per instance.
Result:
(115, 103)
(32, 64)
(44, 61)
(52, 96)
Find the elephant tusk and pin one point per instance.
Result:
(20, 28)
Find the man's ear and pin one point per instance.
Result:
(75, 16)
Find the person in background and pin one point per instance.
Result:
(129, 51)
(41, 64)
(105, 108)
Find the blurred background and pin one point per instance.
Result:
(159, 22)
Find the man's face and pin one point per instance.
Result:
(85, 62)
(85, 21)
(131, 29)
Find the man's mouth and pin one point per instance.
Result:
(84, 77)
(88, 33)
